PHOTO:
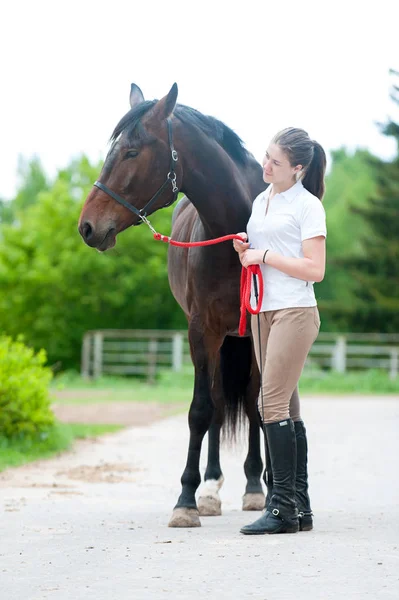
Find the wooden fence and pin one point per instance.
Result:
(133, 352)
(143, 352)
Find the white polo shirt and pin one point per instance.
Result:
(293, 216)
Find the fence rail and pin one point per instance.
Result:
(133, 352)
(144, 351)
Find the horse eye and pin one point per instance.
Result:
(131, 153)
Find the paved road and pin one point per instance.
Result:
(92, 524)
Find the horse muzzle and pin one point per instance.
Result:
(101, 240)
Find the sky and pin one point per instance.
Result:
(66, 69)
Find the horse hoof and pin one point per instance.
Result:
(185, 517)
(253, 501)
(209, 506)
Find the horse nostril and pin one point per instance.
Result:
(87, 230)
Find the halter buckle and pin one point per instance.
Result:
(174, 156)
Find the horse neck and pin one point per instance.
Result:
(215, 185)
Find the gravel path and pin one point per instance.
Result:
(92, 523)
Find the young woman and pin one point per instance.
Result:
(286, 236)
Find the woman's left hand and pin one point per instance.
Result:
(251, 257)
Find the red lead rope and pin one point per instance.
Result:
(246, 276)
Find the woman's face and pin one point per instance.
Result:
(276, 166)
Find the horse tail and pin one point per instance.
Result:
(236, 365)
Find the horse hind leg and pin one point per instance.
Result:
(254, 497)
(209, 503)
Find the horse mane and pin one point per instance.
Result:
(212, 127)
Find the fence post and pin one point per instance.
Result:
(338, 358)
(177, 349)
(85, 362)
(98, 355)
(394, 363)
(152, 360)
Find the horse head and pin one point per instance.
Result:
(139, 174)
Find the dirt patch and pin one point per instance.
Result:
(115, 413)
(104, 473)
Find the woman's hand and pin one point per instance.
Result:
(251, 257)
(241, 247)
(248, 256)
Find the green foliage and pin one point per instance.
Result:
(15, 452)
(54, 288)
(6, 212)
(24, 397)
(32, 182)
(374, 271)
(350, 183)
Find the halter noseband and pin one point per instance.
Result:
(170, 178)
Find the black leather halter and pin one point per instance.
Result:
(170, 179)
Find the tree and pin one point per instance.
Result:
(349, 184)
(6, 212)
(54, 288)
(376, 271)
(32, 180)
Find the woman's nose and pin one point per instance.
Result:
(267, 164)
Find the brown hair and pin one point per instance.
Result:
(301, 150)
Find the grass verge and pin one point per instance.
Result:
(177, 388)
(169, 388)
(14, 453)
(373, 381)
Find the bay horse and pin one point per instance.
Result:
(158, 149)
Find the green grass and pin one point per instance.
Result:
(373, 381)
(169, 388)
(14, 453)
(177, 388)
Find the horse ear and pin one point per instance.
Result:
(136, 95)
(164, 107)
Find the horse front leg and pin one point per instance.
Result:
(185, 513)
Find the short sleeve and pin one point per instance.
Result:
(313, 219)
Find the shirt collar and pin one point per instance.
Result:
(291, 193)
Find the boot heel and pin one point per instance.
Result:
(290, 528)
(305, 522)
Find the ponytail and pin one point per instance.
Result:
(301, 150)
(313, 180)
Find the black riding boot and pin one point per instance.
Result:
(268, 474)
(301, 494)
(281, 515)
